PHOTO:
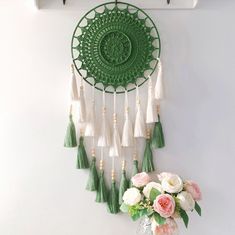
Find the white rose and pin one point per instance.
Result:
(163, 175)
(186, 201)
(147, 189)
(131, 197)
(172, 183)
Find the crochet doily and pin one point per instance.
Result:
(115, 47)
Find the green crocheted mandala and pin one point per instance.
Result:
(115, 47)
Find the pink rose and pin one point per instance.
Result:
(169, 228)
(193, 188)
(140, 180)
(164, 204)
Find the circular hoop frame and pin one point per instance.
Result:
(121, 47)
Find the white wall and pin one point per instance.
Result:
(41, 192)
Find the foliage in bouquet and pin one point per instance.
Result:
(162, 202)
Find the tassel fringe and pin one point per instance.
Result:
(82, 160)
(74, 89)
(92, 184)
(127, 133)
(113, 205)
(151, 113)
(159, 88)
(115, 148)
(70, 140)
(140, 126)
(82, 107)
(104, 139)
(147, 165)
(158, 140)
(102, 194)
(135, 170)
(124, 183)
(90, 126)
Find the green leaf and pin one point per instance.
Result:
(198, 209)
(138, 214)
(153, 194)
(150, 212)
(185, 217)
(160, 220)
(124, 208)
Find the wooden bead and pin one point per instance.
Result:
(123, 165)
(148, 134)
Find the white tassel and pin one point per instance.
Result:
(73, 89)
(151, 113)
(140, 125)
(82, 106)
(127, 134)
(104, 139)
(159, 88)
(90, 126)
(115, 148)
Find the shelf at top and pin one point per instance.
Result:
(88, 4)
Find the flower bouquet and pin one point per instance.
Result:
(162, 202)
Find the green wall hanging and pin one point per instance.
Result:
(115, 46)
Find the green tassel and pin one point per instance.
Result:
(124, 183)
(135, 170)
(158, 136)
(82, 160)
(102, 194)
(113, 205)
(70, 140)
(92, 184)
(147, 165)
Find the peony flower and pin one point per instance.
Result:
(172, 183)
(193, 188)
(131, 197)
(140, 180)
(169, 228)
(147, 189)
(186, 201)
(164, 204)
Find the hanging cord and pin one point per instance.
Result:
(126, 102)
(114, 126)
(102, 159)
(70, 109)
(104, 102)
(137, 96)
(93, 108)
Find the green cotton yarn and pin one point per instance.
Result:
(70, 140)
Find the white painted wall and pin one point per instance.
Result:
(41, 192)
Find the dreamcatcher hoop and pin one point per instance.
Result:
(115, 47)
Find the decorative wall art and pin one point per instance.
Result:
(116, 48)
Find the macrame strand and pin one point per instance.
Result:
(151, 113)
(147, 165)
(90, 125)
(102, 194)
(70, 140)
(104, 137)
(140, 125)
(115, 148)
(127, 133)
(74, 90)
(82, 160)
(82, 105)
(159, 87)
(158, 140)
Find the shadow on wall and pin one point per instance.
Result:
(215, 4)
